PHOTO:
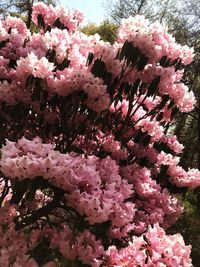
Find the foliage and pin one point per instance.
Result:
(161, 10)
(107, 30)
(88, 174)
(188, 225)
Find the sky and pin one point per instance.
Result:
(94, 12)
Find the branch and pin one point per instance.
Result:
(44, 211)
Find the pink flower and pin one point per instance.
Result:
(147, 251)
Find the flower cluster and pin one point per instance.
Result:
(94, 187)
(153, 40)
(51, 16)
(153, 249)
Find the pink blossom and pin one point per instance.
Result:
(147, 251)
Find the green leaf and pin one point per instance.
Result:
(30, 80)
(163, 61)
(168, 63)
(174, 112)
(171, 104)
(124, 51)
(146, 140)
(133, 55)
(138, 136)
(52, 55)
(135, 86)
(60, 25)
(179, 65)
(26, 41)
(165, 98)
(129, 52)
(64, 64)
(40, 20)
(37, 90)
(12, 63)
(9, 30)
(3, 43)
(162, 174)
(107, 77)
(153, 86)
(98, 68)
(142, 62)
(159, 116)
(90, 59)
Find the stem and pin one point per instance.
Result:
(30, 5)
(44, 211)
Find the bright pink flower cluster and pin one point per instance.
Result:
(173, 143)
(153, 204)
(51, 15)
(153, 249)
(153, 39)
(94, 187)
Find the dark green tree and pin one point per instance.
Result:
(107, 30)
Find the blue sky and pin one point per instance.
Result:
(94, 12)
